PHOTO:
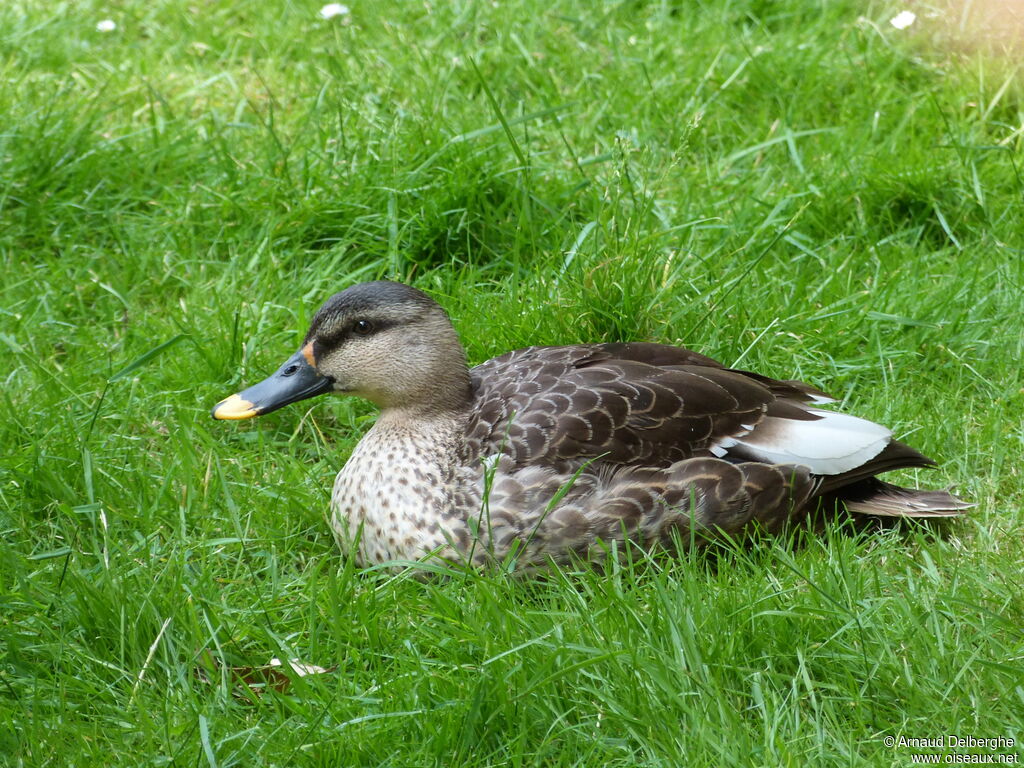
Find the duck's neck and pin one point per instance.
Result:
(395, 493)
(429, 428)
(433, 380)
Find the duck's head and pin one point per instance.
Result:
(384, 341)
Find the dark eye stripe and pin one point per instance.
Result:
(347, 331)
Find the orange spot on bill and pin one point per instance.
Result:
(307, 352)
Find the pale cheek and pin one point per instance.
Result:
(374, 369)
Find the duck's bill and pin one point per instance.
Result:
(295, 380)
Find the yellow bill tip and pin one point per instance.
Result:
(234, 408)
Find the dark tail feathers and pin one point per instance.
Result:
(872, 496)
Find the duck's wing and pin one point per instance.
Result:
(640, 404)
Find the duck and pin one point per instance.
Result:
(551, 453)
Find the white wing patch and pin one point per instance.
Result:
(821, 399)
(721, 447)
(835, 443)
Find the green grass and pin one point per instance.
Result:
(792, 185)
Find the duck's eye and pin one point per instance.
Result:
(362, 327)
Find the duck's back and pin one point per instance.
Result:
(651, 421)
(629, 404)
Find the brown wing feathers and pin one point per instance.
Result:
(653, 405)
(572, 402)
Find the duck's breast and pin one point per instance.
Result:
(392, 497)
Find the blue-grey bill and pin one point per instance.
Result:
(296, 380)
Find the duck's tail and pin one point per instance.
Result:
(864, 494)
(872, 496)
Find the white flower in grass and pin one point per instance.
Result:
(331, 10)
(106, 25)
(301, 669)
(903, 19)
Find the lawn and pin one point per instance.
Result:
(796, 187)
